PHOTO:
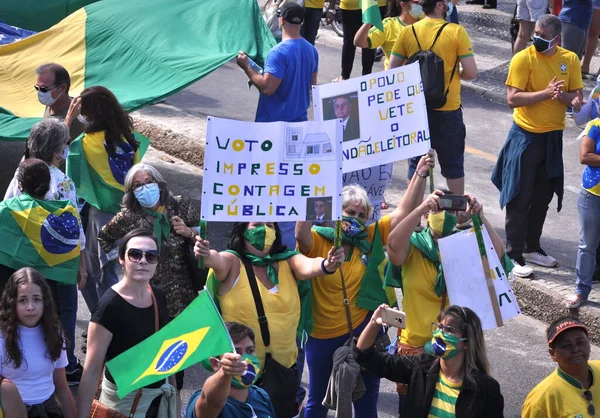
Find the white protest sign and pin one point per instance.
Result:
(384, 116)
(465, 279)
(374, 180)
(271, 172)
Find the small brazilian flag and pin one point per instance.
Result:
(194, 335)
(42, 234)
(371, 14)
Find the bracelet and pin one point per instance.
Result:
(193, 233)
(423, 177)
(324, 269)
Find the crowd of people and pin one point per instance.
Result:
(288, 292)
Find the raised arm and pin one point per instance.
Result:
(398, 240)
(361, 39)
(306, 268)
(414, 193)
(304, 236)
(266, 83)
(221, 263)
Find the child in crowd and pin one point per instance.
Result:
(32, 346)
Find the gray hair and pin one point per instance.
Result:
(61, 75)
(47, 138)
(129, 201)
(552, 22)
(355, 193)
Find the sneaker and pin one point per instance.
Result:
(569, 111)
(574, 301)
(540, 258)
(521, 269)
(74, 377)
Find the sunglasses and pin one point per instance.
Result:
(135, 255)
(445, 328)
(44, 89)
(591, 410)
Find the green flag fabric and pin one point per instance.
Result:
(42, 234)
(142, 50)
(194, 335)
(371, 14)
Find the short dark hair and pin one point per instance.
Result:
(137, 232)
(238, 332)
(61, 75)
(236, 239)
(429, 6)
(34, 176)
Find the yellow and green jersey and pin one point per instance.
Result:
(444, 398)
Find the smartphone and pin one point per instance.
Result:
(454, 202)
(393, 318)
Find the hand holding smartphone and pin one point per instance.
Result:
(393, 318)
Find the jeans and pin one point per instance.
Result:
(351, 23)
(67, 311)
(301, 392)
(310, 27)
(588, 209)
(93, 291)
(319, 357)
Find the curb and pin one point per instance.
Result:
(484, 92)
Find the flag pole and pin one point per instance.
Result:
(203, 236)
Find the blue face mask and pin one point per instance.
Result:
(450, 8)
(148, 195)
(352, 226)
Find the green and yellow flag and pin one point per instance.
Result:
(194, 335)
(41, 234)
(142, 50)
(371, 14)
(99, 176)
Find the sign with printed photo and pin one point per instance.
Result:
(271, 172)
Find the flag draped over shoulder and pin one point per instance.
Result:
(194, 335)
(42, 234)
(142, 50)
(371, 14)
(98, 175)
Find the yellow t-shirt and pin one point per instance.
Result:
(444, 398)
(354, 4)
(282, 309)
(329, 318)
(531, 71)
(452, 45)
(314, 4)
(561, 395)
(419, 301)
(392, 26)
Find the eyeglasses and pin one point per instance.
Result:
(447, 329)
(44, 89)
(588, 397)
(138, 187)
(135, 256)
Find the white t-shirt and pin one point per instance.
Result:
(34, 379)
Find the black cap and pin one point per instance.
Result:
(291, 12)
(561, 326)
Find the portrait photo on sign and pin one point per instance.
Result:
(344, 107)
(318, 208)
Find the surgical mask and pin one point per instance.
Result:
(46, 98)
(251, 374)
(541, 44)
(261, 237)
(83, 119)
(450, 8)
(443, 345)
(148, 195)
(416, 11)
(442, 223)
(354, 226)
(65, 153)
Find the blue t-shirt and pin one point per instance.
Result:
(258, 404)
(293, 61)
(591, 175)
(576, 12)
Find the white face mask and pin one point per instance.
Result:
(83, 119)
(416, 11)
(65, 153)
(46, 98)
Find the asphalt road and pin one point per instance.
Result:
(517, 351)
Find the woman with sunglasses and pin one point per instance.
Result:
(124, 317)
(450, 379)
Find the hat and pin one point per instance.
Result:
(563, 325)
(291, 12)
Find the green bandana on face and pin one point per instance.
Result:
(443, 345)
(442, 223)
(261, 237)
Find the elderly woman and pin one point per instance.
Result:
(360, 276)
(257, 259)
(48, 141)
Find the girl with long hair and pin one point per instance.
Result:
(451, 378)
(32, 346)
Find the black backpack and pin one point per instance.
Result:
(432, 73)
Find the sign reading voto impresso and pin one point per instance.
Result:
(383, 115)
(273, 171)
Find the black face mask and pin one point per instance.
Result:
(541, 44)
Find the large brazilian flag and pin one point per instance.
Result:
(194, 335)
(142, 50)
(42, 234)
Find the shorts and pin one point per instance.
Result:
(447, 132)
(531, 10)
